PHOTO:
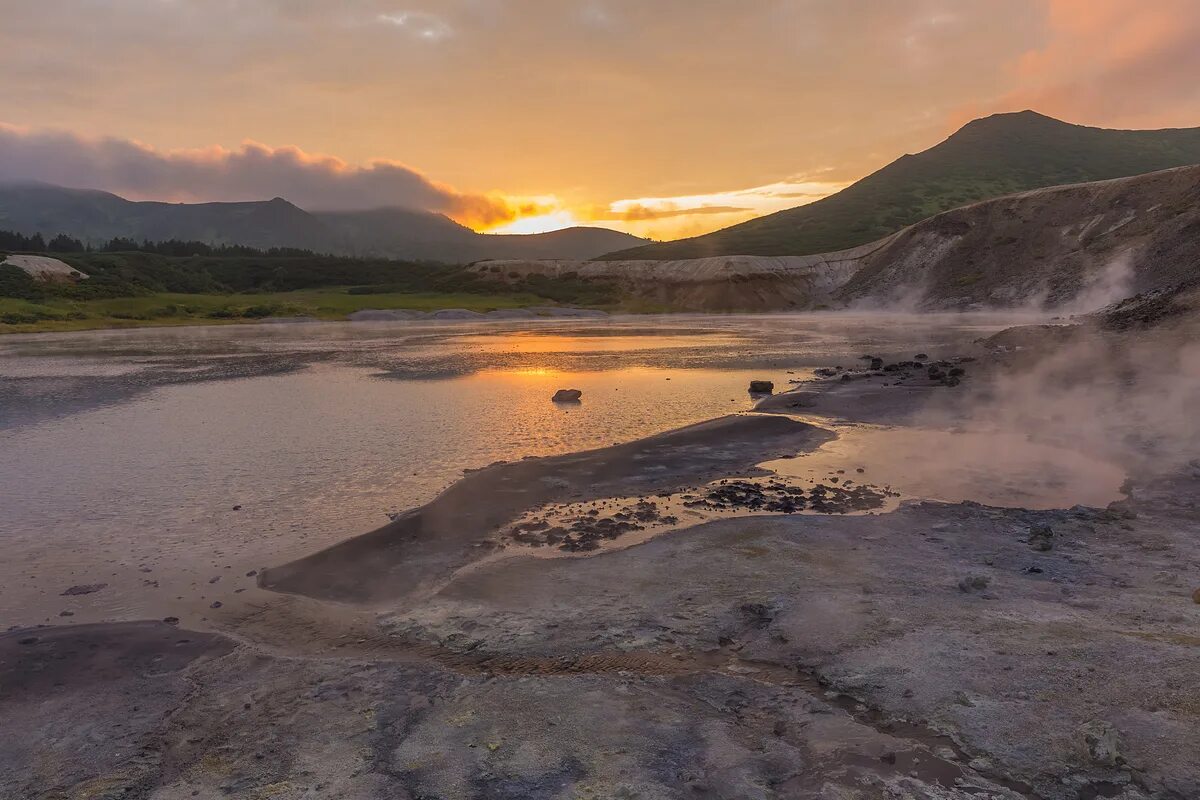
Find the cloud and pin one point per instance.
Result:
(420, 25)
(1109, 62)
(636, 212)
(251, 172)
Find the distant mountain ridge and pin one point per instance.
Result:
(96, 217)
(987, 158)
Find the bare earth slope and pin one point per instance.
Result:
(1084, 244)
(1074, 247)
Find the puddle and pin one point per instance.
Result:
(996, 469)
(867, 470)
(589, 527)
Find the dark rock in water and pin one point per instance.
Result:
(846, 376)
(824, 372)
(1041, 538)
(956, 372)
(567, 396)
(920, 357)
(935, 374)
(171, 620)
(761, 387)
(974, 583)
(876, 363)
(83, 588)
(215, 604)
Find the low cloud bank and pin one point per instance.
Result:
(251, 172)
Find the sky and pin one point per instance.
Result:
(663, 118)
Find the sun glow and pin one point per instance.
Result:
(538, 223)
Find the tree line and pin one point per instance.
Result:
(17, 242)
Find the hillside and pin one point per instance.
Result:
(1072, 248)
(987, 158)
(96, 217)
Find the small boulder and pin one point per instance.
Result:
(974, 583)
(1101, 743)
(567, 396)
(1041, 538)
(761, 387)
(1196, 597)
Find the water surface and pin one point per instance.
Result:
(123, 454)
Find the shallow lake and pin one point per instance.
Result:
(124, 454)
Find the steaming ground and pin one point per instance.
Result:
(994, 646)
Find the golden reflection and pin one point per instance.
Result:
(530, 372)
(536, 342)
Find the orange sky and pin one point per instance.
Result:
(664, 118)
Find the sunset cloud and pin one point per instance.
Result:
(643, 116)
(1130, 63)
(251, 172)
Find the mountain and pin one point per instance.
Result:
(1073, 248)
(990, 157)
(421, 235)
(96, 217)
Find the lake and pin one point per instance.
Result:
(168, 463)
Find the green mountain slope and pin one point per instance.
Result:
(95, 217)
(987, 158)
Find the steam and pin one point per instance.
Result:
(1112, 284)
(1127, 400)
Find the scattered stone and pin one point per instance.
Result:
(974, 583)
(567, 396)
(761, 387)
(920, 357)
(1041, 538)
(83, 588)
(1101, 743)
(237, 508)
(66, 613)
(215, 604)
(171, 620)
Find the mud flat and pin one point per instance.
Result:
(924, 649)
